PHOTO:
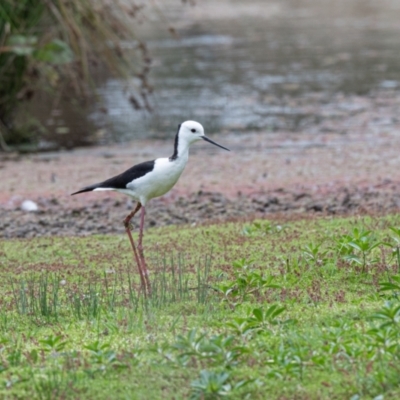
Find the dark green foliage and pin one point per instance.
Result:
(50, 47)
(18, 20)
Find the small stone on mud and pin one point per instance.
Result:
(29, 205)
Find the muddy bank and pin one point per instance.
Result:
(105, 216)
(347, 163)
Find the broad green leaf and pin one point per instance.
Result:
(257, 312)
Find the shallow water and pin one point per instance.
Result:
(258, 65)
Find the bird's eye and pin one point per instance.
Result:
(193, 130)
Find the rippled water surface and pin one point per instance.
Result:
(255, 65)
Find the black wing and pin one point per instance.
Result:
(120, 181)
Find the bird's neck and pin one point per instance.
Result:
(181, 150)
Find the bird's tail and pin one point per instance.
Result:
(86, 189)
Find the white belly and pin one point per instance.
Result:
(157, 182)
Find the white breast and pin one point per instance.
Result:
(157, 182)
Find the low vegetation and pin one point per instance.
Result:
(305, 310)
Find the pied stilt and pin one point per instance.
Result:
(151, 179)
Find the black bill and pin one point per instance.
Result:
(212, 142)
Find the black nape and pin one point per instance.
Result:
(175, 154)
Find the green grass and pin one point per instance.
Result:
(301, 310)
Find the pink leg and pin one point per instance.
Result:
(127, 221)
(141, 254)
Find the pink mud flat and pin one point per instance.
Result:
(358, 152)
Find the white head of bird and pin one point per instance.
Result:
(190, 132)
